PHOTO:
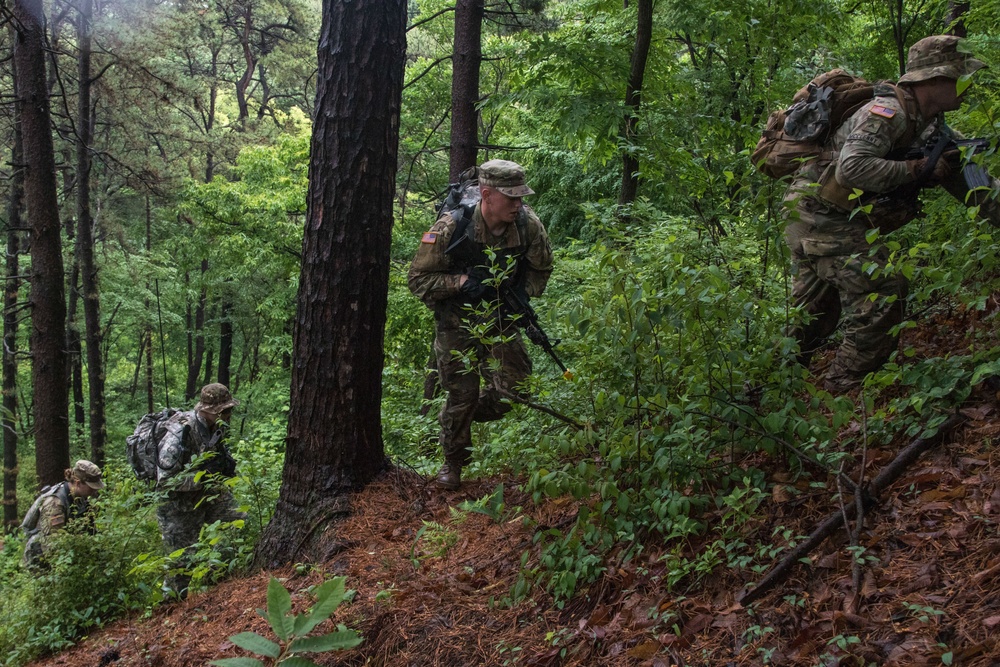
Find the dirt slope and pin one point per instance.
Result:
(929, 593)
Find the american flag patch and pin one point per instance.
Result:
(885, 112)
(429, 237)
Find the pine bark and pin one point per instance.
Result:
(12, 286)
(334, 442)
(466, 59)
(85, 234)
(48, 298)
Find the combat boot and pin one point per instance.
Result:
(449, 476)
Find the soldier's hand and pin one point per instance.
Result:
(474, 290)
(939, 174)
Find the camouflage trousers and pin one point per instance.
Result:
(501, 366)
(181, 518)
(832, 286)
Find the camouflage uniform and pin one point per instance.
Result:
(435, 277)
(58, 506)
(828, 246)
(191, 504)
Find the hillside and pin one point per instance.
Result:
(430, 594)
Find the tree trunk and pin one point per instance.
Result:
(633, 100)
(225, 343)
(8, 420)
(48, 298)
(48, 321)
(334, 441)
(85, 232)
(195, 359)
(74, 345)
(467, 55)
(956, 15)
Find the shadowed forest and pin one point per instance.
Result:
(233, 191)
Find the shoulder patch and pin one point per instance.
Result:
(429, 237)
(880, 110)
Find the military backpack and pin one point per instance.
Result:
(60, 491)
(142, 447)
(800, 132)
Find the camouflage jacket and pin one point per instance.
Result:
(870, 146)
(435, 275)
(53, 516)
(185, 436)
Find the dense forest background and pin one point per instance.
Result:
(181, 142)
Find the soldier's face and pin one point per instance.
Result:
(498, 207)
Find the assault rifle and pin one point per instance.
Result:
(894, 209)
(943, 146)
(513, 301)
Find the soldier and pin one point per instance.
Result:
(192, 503)
(827, 238)
(451, 275)
(56, 506)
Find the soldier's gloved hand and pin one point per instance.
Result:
(940, 173)
(474, 291)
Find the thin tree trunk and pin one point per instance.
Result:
(74, 345)
(633, 100)
(194, 369)
(48, 298)
(334, 441)
(225, 343)
(88, 267)
(12, 286)
(467, 56)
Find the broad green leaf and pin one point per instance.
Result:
(335, 641)
(329, 595)
(238, 662)
(251, 641)
(279, 603)
(296, 661)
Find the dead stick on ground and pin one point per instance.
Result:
(889, 474)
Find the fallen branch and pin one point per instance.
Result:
(884, 480)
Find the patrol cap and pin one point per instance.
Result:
(88, 473)
(938, 55)
(215, 398)
(504, 176)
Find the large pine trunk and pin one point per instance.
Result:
(466, 59)
(334, 441)
(48, 298)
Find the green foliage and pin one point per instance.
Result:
(85, 583)
(294, 630)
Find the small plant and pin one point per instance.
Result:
(491, 505)
(292, 630)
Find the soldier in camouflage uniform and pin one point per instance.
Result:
(68, 500)
(451, 277)
(827, 238)
(192, 503)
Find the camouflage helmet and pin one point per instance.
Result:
(215, 398)
(938, 55)
(505, 176)
(88, 473)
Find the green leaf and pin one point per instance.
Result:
(254, 643)
(279, 603)
(329, 595)
(335, 641)
(296, 661)
(238, 662)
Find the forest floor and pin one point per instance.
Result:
(430, 593)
